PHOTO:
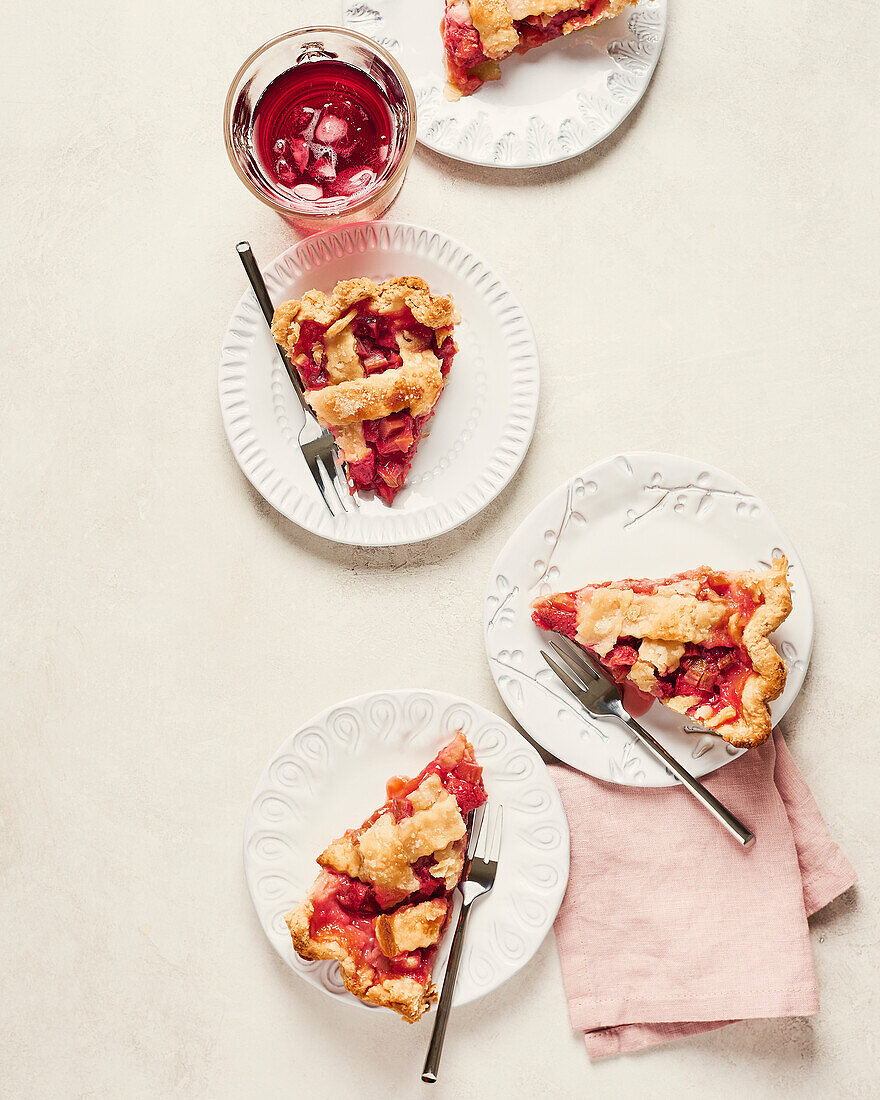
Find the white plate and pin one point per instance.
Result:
(550, 104)
(484, 420)
(635, 515)
(330, 776)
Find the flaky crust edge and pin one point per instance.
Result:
(494, 25)
(404, 996)
(755, 725)
(435, 311)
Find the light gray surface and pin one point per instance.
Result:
(705, 283)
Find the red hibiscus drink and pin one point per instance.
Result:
(323, 130)
(320, 125)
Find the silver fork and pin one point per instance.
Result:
(601, 696)
(316, 443)
(479, 878)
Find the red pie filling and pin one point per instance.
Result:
(345, 910)
(459, 773)
(464, 51)
(715, 673)
(392, 440)
(558, 613)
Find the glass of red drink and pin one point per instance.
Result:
(320, 124)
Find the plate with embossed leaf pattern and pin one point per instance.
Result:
(330, 775)
(484, 419)
(634, 515)
(550, 103)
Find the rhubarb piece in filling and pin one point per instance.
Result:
(478, 34)
(383, 898)
(697, 641)
(373, 359)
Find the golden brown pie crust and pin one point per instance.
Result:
(494, 24)
(768, 680)
(402, 995)
(410, 927)
(384, 853)
(416, 386)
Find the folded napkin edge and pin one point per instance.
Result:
(589, 1013)
(823, 885)
(621, 1040)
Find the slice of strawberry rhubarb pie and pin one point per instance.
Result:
(478, 34)
(697, 641)
(373, 359)
(384, 896)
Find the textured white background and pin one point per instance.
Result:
(163, 631)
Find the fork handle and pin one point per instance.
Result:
(732, 824)
(258, 286)
(432, 1061)
(255, 278)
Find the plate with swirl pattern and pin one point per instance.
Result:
(550, 104)
(330, 775)
(484, 420)
(633, 515)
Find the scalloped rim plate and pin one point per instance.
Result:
(330, 775)
(550, 104)
(634, 515)
(485, 417)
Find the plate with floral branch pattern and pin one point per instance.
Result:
(634, 515)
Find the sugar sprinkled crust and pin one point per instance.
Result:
(416, 386)
(523, 9)
(494, 19)
(672, 614)
(494, 24)
(384, 853)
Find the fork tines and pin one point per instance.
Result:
(577, 659)
(325, 471)
(477, 821)
(488, 850)
(590, 686)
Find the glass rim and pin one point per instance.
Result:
(370, 198)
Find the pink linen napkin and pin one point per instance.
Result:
(668, 926)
